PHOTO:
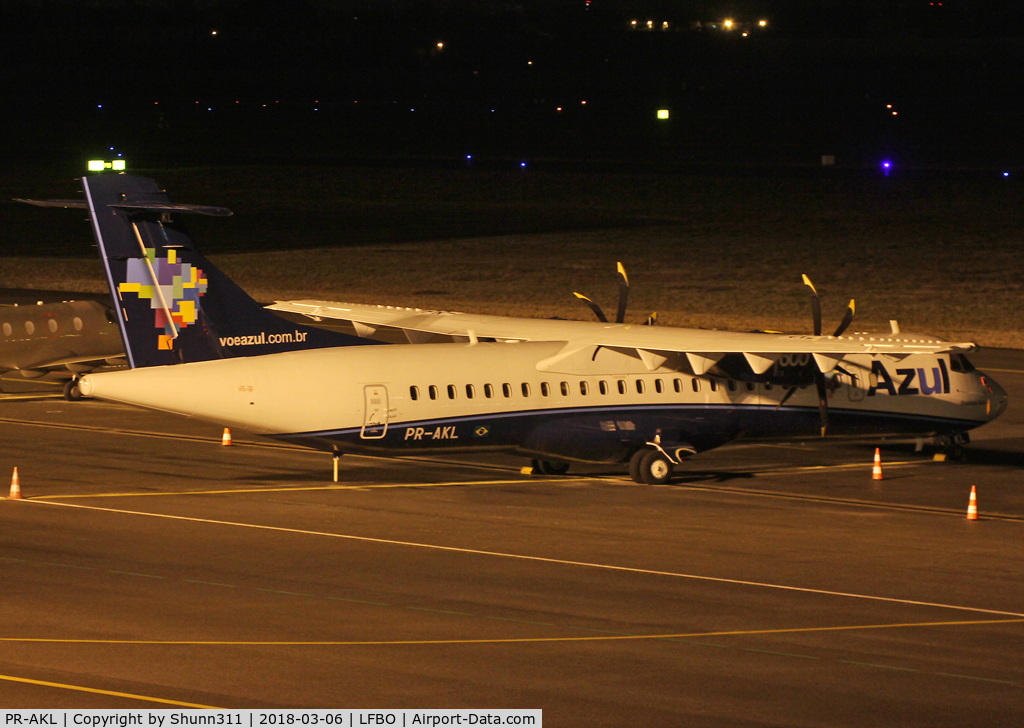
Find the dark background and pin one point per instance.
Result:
(365, 82)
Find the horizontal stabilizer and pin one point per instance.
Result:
(173, 207)
(53, 203)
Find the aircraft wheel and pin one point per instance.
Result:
(655, 468)
(635, 464)
(550, 467)
(71, 391)
(554, 467)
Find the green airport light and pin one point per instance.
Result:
(662, 113)
(99, 165)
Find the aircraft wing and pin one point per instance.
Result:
(655, 345)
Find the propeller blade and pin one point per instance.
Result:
(851, 309)
(819, 379)
(593, 307)
(620, 315)
(815, 306)
(789, 393)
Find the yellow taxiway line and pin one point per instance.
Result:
(81, 689)
(527, 557)
(508, 640)
(298, 488)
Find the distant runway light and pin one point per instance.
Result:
(1006, 174)
(523, 165)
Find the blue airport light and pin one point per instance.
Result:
(1006, 174)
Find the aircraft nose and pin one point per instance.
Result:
(997, 399)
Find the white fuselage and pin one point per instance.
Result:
(408, 398)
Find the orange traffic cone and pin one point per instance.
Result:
(15, 486)
(225, 440)
(876, 471)
(972, 506)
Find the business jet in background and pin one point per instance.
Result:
(554, 391)
(59, 341)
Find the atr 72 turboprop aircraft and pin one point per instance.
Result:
(556, 391)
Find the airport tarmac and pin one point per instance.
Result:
(770, 584)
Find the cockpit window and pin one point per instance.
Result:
(960, 363)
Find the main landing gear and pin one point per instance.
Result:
(650, 467)
(71, 391)
(550, 467)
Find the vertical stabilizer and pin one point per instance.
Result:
(173, 305)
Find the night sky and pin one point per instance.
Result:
(925, 83)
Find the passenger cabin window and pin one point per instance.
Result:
(432, 391)
(488, 391)
(695, 384)
(659, 386)
(7, 330)
(414, 393)
(470, 391)
(622, 386)
(731, 384)
(52, 326)
(506, 389)
(564, 387)
(451, 391)
(30, 327)
(750, 386)
(602, 387)
(544, 389)
(640, 386)
(584, 388)
(78, 323)
(678, 384)
(713, 383)
(526, 389)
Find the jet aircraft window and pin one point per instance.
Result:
(433, 391)
(750, 386)
(526, 389)
(640, 386)
(713, 383)
(506, 389)
(77, 322)
(52, 326)
(659, 386)
(545, 390)
(564, 386)
(695, 384)
(731, 384)
(470, 391)
(622, 386)
(30, 327)
(602, 387)
(584, 388)
(678, 384)
(414, 393)
(488, 391)
(7, 329)
(451, 391)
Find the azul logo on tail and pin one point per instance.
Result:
(177, 291)
(173, 305)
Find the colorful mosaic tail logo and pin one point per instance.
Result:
(177, 291)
